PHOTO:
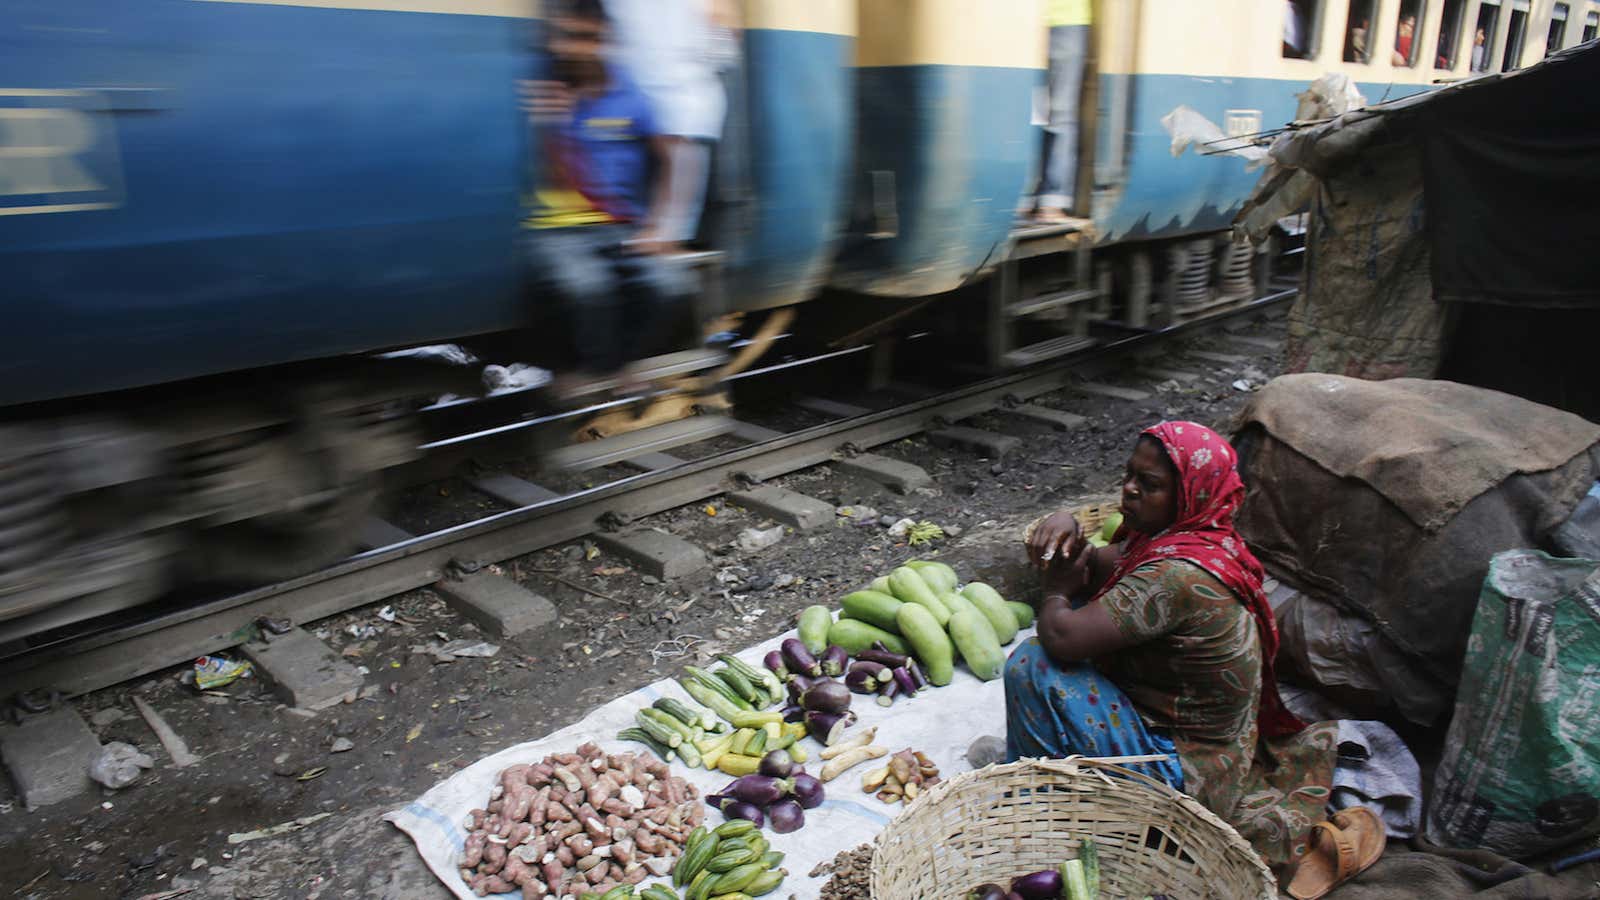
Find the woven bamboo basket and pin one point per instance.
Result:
(1091, 516)
(1001, 821)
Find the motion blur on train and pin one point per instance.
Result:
(227, 226)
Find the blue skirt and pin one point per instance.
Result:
(1054, 711)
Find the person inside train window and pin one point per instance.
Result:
(1298, 16)
(675, 53)
(593, 234)
(1480, 50)
(1069, 22)
(1404, 37)
(1483, 36)
(1355, 43)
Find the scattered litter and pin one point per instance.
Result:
(515, 377)
(301, 712)
(340, 745)
(387, 614)
(363, 671)
(311, 773)
(273, 625)
(361, 632)
(467, 647)
(199, 862)
(118, 765)
(730, 575)
(753, 539)
(859, 516)
(752, 615)
(590, 551)
(784, 580)
(174, 745)
(608, 571)
(452, 354)
(674, 648)
(240, 837)
(416, 730)
(1242, 385)
(95, 846)
(901, 528)
(923, 533)
(709, 510)
(107, 716)
(211, 672)
(108, 806)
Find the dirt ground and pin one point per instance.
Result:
(419, 719)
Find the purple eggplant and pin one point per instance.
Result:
(777, 764)
(786, 816)
(807, 790)
(798, 685)
(799, 659)
(1013, 895)
(826, 696)
(794, 712)
(908, 685)
(1042, 885)
(774, 661)
(887, 692)
(758, 789)
(738, 809)
(827, 727)
(885, 657)
(860, 681)
(989, 891)
(878, 671)
(916, 674)
(833, 661)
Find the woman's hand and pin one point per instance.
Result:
(1058, 539)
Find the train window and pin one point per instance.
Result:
(1300, 29)
(1405, 33)
(1591, 27)
(1516, 31)
(1483, 34)
(1358, 32)
(1450, 33)
(1558, 28)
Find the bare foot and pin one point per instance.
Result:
(1049, 215)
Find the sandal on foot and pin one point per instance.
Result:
(1340, 849)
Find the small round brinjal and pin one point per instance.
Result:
(774, 662)
(860, 680)
(738, 809)
(989, 891)
(786, 816)
(777, 764)
(758, 789)
(799, 659)
(807, 790)
(826, 696)
(827, 727)
(1041, 885)
(833, 661)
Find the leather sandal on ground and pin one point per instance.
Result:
(1340, 849)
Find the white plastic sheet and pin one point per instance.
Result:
(941, 722)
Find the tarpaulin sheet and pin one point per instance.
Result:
(941, 722)
(1512, 186)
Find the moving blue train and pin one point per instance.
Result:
(213, 213)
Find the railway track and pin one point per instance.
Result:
(142, 641)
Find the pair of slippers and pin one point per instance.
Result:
(1341, 848)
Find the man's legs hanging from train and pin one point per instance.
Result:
(1058, 163)
(576, 268)
(656, 290)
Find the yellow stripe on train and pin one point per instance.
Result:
(1009, 34)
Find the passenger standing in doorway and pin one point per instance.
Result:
(1404, 35)
(594, 233)
(676, 52)
(1480, 51)
(1069, 22)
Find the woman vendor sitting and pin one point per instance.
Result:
(1182, 641)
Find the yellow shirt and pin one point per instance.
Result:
(1069, 12)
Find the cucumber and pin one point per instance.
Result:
(974, 637)
(814, 622)
(908, 587)
(880, 584)
(939, 576)
(1022, 611)
(955, 603)
(856, 636)
(928, 641)
(993, 606)
(873, 608)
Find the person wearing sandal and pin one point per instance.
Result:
(1172, 653)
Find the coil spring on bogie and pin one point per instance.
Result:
(1193, 272)
(1235, 278)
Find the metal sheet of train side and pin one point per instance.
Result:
(944, 144)
(1223, 59)
(798, 133)
(238, 185)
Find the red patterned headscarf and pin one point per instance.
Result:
(1209, 493)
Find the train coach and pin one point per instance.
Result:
(214, 213)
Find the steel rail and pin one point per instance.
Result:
(88, 662)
